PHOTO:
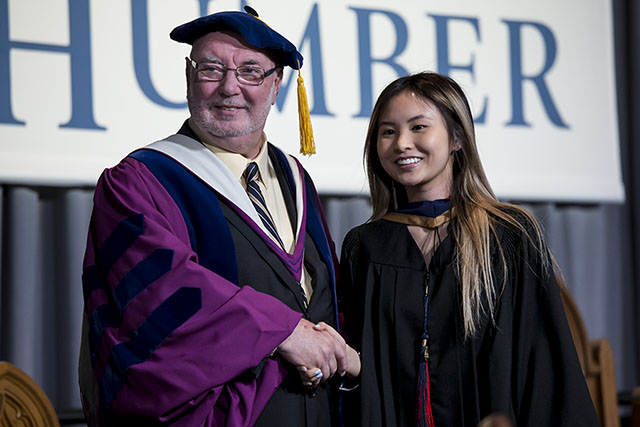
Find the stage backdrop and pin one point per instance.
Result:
(84, 82)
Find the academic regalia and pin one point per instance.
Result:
(186, 295)
(524, 365)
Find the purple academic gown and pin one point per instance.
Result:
(169, 337)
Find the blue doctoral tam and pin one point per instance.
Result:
(254, 31)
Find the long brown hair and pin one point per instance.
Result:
(475, 205)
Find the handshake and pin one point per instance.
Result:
(319, 352)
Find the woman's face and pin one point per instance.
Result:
(414, 148)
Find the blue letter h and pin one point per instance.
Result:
(79, 50)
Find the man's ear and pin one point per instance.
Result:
(278, 80)
(187, 70)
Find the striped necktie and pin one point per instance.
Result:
(251, 178)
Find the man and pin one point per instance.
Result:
(209, 261)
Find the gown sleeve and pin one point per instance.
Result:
(548, 386)
(168, 339)
(349, 304)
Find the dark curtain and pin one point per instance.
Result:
(627, 35)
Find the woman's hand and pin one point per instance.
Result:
(310, 377)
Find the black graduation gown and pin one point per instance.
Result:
(524, 365)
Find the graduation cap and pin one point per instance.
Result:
(256, 33)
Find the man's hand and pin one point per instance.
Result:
(319, 346)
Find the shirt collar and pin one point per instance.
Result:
(236, 162)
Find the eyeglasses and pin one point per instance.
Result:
(252, 75)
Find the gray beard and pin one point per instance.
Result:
(201, 114)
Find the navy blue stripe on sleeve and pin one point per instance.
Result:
(142, 275)
(120, 239)
(166, 318)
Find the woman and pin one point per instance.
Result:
(448, 294)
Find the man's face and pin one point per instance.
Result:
(231, 113)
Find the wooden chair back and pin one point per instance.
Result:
(22, 401)
(635, 407)
(596, 360)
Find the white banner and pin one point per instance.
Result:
(84, 82)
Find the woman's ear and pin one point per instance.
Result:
(456, 145)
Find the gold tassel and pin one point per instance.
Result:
(307, 144)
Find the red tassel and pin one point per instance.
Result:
(429, 413)
(425, 415)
